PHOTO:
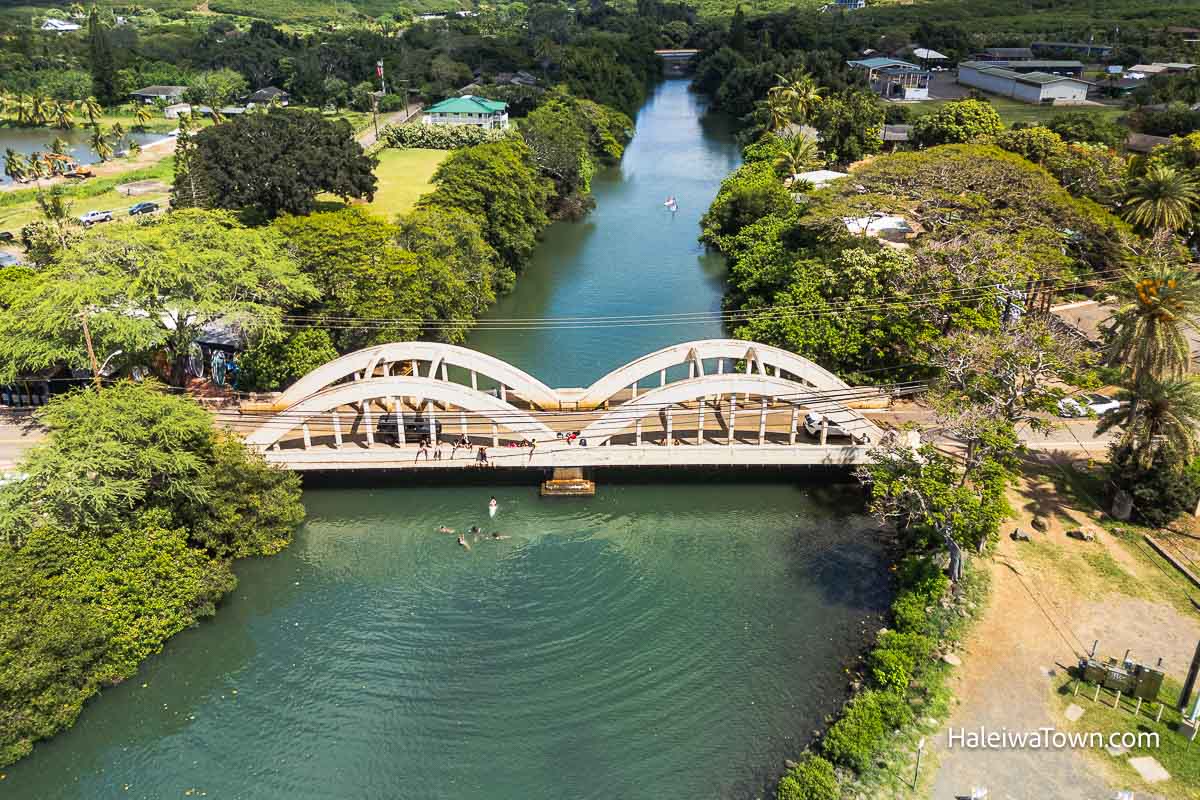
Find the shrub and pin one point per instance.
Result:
(916, 645)
(812, 779)
(1160, 493)
(857, 736)
(1036, 144)
(271, 365)
(923, 577)
(957, 122)
(890, 668)
(908, 612)
(439, 137)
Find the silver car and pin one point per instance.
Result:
(813, 421)
(1088, 405)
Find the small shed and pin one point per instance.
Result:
(174, 110)
(267, 95)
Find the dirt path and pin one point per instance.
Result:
(1043, 613)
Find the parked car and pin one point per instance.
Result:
(9, 260)
(1087, 405)
(813, 421)
(415, 428)
(7, 236)
(92, 217)
(145, 207)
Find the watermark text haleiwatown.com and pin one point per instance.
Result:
(1047, 738)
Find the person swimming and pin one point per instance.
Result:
(462, 540)
(475, 530)
(497, 536)
(492, 503)
(444, 529)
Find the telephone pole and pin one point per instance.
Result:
(87, 338)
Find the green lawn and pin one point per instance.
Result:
(1011, 111)
(403, 177)
(19, 207)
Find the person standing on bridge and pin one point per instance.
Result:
(532, 447)
(423, 450)
(482, 456)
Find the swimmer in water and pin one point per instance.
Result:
(475, 529)
(462, 541)
(496, 536)
(492, 503)
(444, 529)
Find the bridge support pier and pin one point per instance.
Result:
(792, 430)
(495, 435)
(307, 436)
(637, 432)
(670, 429)
(337, 430)
(762, 423)
(700, 421)
(568, 482)
(367, 424)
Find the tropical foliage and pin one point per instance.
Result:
(119, 537)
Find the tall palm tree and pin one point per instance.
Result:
(1159, 302)
(92, 109)
(64, 115)
(141, 114)
(1162, 199)
(24, 109)
(800, 155)
(780, 113)
(16, 166)
(40, 110)
(799, 91)
(1166, 415)
(100, 144)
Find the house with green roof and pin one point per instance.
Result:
(468, 110)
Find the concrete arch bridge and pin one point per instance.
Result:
(705, 403)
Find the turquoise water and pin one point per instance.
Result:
(661, 640)
(653, 641)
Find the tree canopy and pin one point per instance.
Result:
(278, 162)
(148, 287)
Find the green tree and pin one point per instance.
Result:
(798, 92)
(1085, 126)
(1035, 144)
(101, 143)
(559, 146)
(747, 195)
(1162, 422)
(275, 363)
(800, 154)
(279, 162)
(187, 190)
(216, 88)
(497, 184)
(16, 166)
(1158, 302)
(850, 124)
(1161, 199)
(957, 122)
(150, 287)
(100, 53)
(92, 109)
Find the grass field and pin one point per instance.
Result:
(1011, 111)
(19, 207)
(403, 177)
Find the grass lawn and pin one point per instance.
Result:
(19, 207)
(1011, 111)
(403, 177)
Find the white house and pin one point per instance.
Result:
(468, 110)
(1039, 88)
(167, 94)
(59, 26)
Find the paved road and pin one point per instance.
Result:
(367, 138)
(17, 435)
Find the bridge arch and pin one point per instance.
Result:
(758, 358)
(627, 415)
(363, 364)
(327, 401)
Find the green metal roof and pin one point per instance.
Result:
(467, 104)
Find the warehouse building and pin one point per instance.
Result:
(1039, 88)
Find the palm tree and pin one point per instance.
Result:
(800, 155)
(799, 91)
(40, 109)
(64, 115)
(1166, 416)
(100, 144)
(780, 113)
(24, 108)
(93, 109)
(1162, 199)
(15, 165)
(1158, 304)
(141, 115)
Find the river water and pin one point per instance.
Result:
(660, 640)
(29, 140)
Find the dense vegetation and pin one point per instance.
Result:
(120, 536)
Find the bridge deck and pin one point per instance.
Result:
(558, 454)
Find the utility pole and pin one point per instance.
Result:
(87, 338)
